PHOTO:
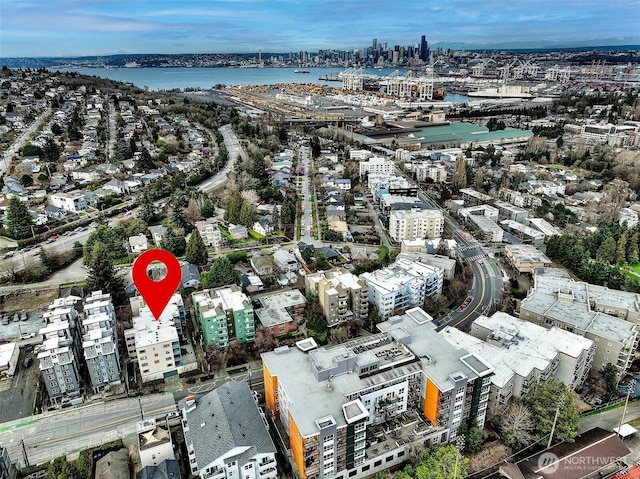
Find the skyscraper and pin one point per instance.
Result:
(424, 49)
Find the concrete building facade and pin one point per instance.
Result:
(342, 295)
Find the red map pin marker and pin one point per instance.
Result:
(156, 294)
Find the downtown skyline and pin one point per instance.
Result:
(39, 28)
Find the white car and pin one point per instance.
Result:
(27, 335)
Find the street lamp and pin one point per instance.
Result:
(631, 386)
(459, 447)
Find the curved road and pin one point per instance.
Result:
(487, 285)
(235, 150)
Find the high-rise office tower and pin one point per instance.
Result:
(424, 49)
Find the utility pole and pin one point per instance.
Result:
(631, 385)
(555, 420)
(24, 453)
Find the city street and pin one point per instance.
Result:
(56, 433)
(235, 150)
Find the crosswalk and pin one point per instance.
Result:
(477, 257)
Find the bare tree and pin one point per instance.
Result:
(250, 196)
(517, 424)
(264, 341)
(214, 356)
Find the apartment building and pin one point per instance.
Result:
(282, 311)
(5, 463)
(402, 285)
(227, 436)
(607, 317)
(415, 224)
(472, 197)
(523, 354)
(335, 407)
(211, 235)
(100, 342)
(377, 165)
(525, 258)
(155, 344)
(59, 358)
(224, 314)
(342, 295)
(438, 173)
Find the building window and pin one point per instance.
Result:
(389, 459)
(377, 463)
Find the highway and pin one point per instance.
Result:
(70, 430)
(235, 150)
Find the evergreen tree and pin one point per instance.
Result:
(233, 207)
(109, 238)
(315, 147)
(247, 215)
(542, 400)
(460, 173)
(275, 218)
(221, 273)
(50, 260)
(207, 208)
(632, 249)
(102, 276)
(147, 211)
(621, 251)
(607, 251)
(196, 252)
(176, 245)
(19, 220)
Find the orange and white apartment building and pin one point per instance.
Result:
(354, 409)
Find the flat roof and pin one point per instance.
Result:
(525, 253)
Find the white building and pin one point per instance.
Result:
(100, 341)
(9, 354)
(155, 344)
(211, 235)
(377, 165)
(402, 285)
(138, 243)
(72, 202)
(628, 217)
(154, 442)
(608, 317)
(415, 224)
(227, 436)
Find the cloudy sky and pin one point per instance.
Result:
(102, 27)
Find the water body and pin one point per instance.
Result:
(171, 78)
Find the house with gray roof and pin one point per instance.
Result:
(226, 435)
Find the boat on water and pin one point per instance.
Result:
(329, 78)
(301, 71)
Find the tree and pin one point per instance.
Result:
(632, 249)
(50, 260)
(516, 425)
(214, 356)
(102, 275)
(221, 273)
(147, 211)
(109, 238)
(275, 218)
(610, 375)
(247, 215)
(473, 438)
(443, 462)
(321, 262)
(542, 401)
(621, 250)
(196, 252)
(315, 147)
(19, 220)
(51, 151)
(173, 243)
(264, 340)
(207, 208)
(460, 173)
(607, 251)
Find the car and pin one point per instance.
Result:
(27, 361)
(8, 254)
(27, 335)
(173, 414)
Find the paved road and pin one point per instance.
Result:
(56, 433)
(22, 139)
(488, 281)
(232, 144)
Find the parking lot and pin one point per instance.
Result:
(17, 394)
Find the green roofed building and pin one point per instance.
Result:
(224, 314)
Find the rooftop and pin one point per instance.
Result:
(274, 306)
